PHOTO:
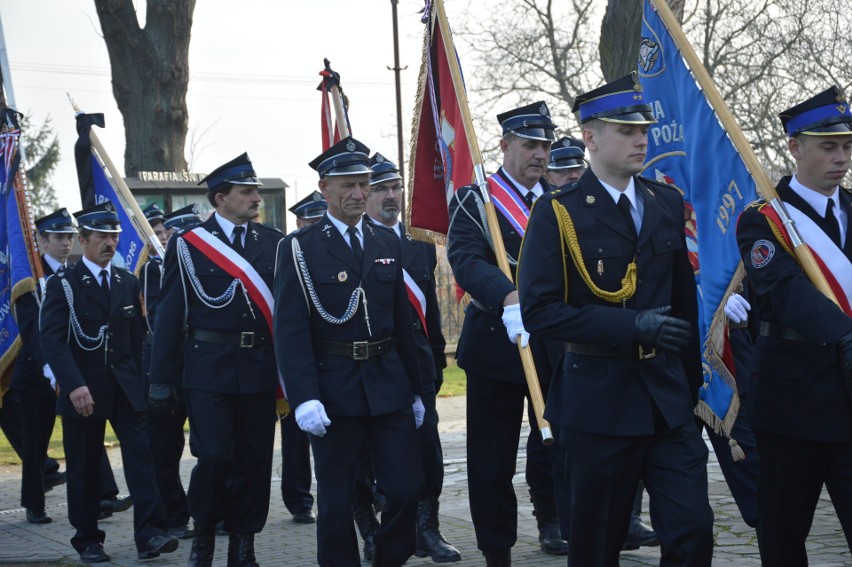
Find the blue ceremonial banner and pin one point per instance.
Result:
(96, 188)
(690, 149)
(16, 274)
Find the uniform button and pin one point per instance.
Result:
(112, 350)
(112, 365)
(639, 282)
(669, 243)
(492, 328)
(245, 315)
(600, 250)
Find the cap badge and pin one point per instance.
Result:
(350, 145)
(342, 277)
(316, 197)
(64, 213)
(841, 108)
(194, 209)
(566, 143)
(380, 158)
(543, 109)
(108, 207)
(590, 199)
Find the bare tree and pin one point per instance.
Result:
(763, 56)
(150, 74)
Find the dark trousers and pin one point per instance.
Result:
(604, 472)
(741, 476)
(11, 423)
(392, 442)
(295, 466)
(431, 452)
(792, 473)
(84, 446)
(166, 440)
(494, 417)
(38, 417)
(232, 435)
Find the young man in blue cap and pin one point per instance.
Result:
(622, 302)
(487, 351)
(801, 389)
(213, 336)
(181, 219)
(345, 343)
(91, 335)
(32, 378)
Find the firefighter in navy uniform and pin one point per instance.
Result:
(419, 260)
(32, 378)
(211, 337)
(496, 386)
(622, 301)
(92, 336)
(165, 432)
(295, 447)
(345, 343)
(801, 382)
(567, 161)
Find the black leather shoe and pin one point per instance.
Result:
(182, 532)
(94, 553)
(116, 504)
(639, 535)
(54, 479)
(241, 550)
(156, 545)
(38, 517)
(304, 517)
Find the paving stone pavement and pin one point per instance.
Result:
(285, 543)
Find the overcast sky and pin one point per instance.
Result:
(253, 72)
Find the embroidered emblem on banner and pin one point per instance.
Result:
(761, 253)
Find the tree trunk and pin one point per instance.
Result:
(621, 30)
(150, 74)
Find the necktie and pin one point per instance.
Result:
(624, 207)
(355, 244)
(104, 275)
(529, 199)
(237, 244)
(832, 223)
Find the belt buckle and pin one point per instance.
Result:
(360, 350)
(247, 339)
(643, 355)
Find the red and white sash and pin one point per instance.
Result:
(831, 260)
(237, 267)
(416, 297)
(508, 202)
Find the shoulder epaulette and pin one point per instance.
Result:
(659, 184)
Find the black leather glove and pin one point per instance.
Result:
(163, 399)
(844, 350)
(439, 380)
(655, 328)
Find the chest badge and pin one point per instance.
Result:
(600, 267)
(342, 276)
(590, 199)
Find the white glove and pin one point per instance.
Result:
(514, 325)
(737, 308)
(48, 374)
(311, 417)
(419, 411)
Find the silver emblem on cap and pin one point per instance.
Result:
(543, 109)
(64, 213)
(194, 209)
(350, 145)
(566, 143)
(316, 197)
(108, 207)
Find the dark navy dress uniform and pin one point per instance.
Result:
(496, 385)
(801, 397)
(624, 414)
(229, 388)
(37, 398)
(111, 368)
(366, 376)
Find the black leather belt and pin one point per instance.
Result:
(245, 339)
(593, 350)
(482, 307)
(359, 350)
(779, 331)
